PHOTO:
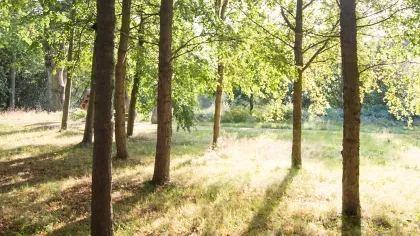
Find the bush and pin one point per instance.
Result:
(274, 112)
(333, 114)
(237, 115)
(205, 114)
(77, 114)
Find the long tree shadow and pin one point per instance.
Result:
(272, 198)
(81, 226)
(62, 163)
(27, 129)
(351, 226)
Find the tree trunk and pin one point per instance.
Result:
(220, 10)
(12, 83)
(251, 103)
(164, 103)
(351, 97)
(218, 105)
(67, 94)
(133, 102)
(87, 135)
(136, 82)
(120, 73)
(297, 90)
(58, 89)
(101, 220)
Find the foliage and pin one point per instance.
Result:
(237, 115)
(77, 114)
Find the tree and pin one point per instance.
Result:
(120, 74)
(299, 52)
(87, 134)
(136, 82)
(67, 93)
(220, 11)
(351, 100)
(101, 220)
(164, 103)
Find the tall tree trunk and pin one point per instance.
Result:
(87, 135)
(133, 101)
(218, 105)
(136, 82)
(297, 90)
(101, 220)
(120, 73)
(164, 103)
(351, 97)
(67, 93)
(12, 83)
(220, 11)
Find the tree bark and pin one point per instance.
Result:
(101, 220)
(351, 97)
(12, 83)
(164, 103)
(67, 93)
(120, 73)
(218, 105)
(220, 11)
(136, 82)
(251, 103)
(87, 135)
(58, 89)
(297, 89)
(133, 102)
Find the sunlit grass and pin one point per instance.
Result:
(244, 187)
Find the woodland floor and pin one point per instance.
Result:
(245, 187)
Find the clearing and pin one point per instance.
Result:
(245, 187)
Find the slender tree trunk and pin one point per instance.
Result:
(220, 11)
(251, 103)
(12, 83)
(297, 90)
(87, 135)
(101, 220)
(136, 82)
(133, 102)
(120, 73)
(164, 103)
(218, 105)
(67, 94)
(348, 34)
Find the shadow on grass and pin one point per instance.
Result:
(272, 198)
(62, 163)
(27, 129)
(81, 226)
(351, 226)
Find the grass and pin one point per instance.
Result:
(245, 187)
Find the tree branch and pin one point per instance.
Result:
(386, 64)
(287, 20)
(307, 4)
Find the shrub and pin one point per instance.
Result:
(77, 114)
(237, 115)
(205, 114)
(274, 112)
